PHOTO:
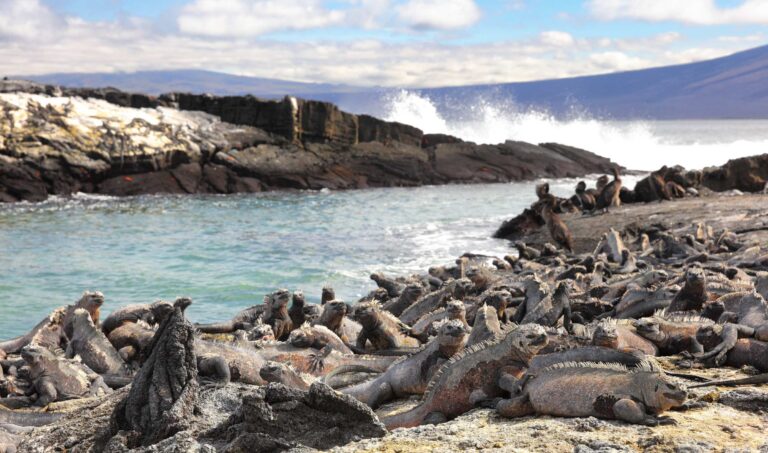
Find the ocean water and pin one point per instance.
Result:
(226, 252)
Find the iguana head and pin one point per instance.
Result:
(81, 319)
(695, 277)
(367, 313)
(661, 394)
(647, 327)
(529, 339)
(261, 332)
(159, 310)
(276, 372)
(412, 291)
(328, 294)
(280, 298)
(303, 337)
(462, 286)
(606, 335)
(92, 302)
(455, 309)
(602, 182)
(311, 312)
(452, 333)
(478, 275)
(581, 186)
(298, 299)
(35, 355)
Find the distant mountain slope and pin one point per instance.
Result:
(190, 80)
(735, 86)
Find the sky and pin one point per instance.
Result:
(406, 43)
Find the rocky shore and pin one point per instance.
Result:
(664, 295)
(58, 141)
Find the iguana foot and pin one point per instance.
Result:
(435, 418)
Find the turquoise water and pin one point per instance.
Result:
(226, 252)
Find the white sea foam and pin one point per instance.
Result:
(640, 145)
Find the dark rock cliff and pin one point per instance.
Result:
(60, 141)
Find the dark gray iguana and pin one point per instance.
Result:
(93, 347)
(410, 375)
(473, 376)
(381, 328)
(151, 314)
(587, 389)
(59, 321)
(57, 379)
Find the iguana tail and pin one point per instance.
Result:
(408, 419)
(328, 379)
(19, 418)
(757, 379)
(216, 327)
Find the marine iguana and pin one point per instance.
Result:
(609, 196)
(277, 316)
(334, 317)
(671, 333)
(151, 314)
(132, 339)
(557, 228)
(751, 320)
(621, 335)
(486, 326)
(393, 287)
(610, 391)
(454, 289)
(57, 379)
(583, 199)
(549, 308)
(424, 327)
(411, 374)
(296, 312)
(481, 277)
(244, 319)
(381, 329)
(163, 395)
(93, 347)
(59, 320)
(526, 252)
(410, 294)
(284, 374)
(473, 376)
(693, 295)
(317, 337)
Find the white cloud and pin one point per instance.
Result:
(699, 12)
(243, 18)
(132, 44)
(617, 61)
(23, 19)
(439, 14)
(557, 38)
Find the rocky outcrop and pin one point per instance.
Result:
(56, 141)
